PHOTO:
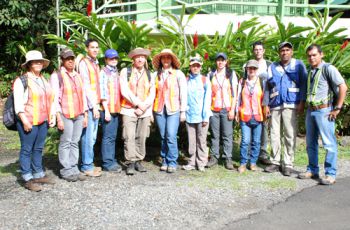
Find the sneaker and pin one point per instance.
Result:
(71, 178)
(287, 171)
(228, 164)
(272, 168)
(139, 167)
(92, 173)
(212, 162)
(163, 168)
(201, 168)
(308, 175)
(30, 185)
(242, 168)
(188, 167)
(328, 180)
(171, 169)
(130, 170)
(43, 180)
(253, 167)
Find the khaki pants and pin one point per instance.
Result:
(135, 132)
(288, 119)
(197, 144)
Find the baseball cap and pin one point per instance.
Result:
(111, 53)
(283, 44)
(252, 63)
(223, 55)
(65, 53)
(196, 59)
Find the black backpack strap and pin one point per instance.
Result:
(128, 73)
(60, 79)
(211, 75)
(325, 72)
(148, 75)
(24, 80)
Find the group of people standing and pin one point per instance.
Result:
(80, 95)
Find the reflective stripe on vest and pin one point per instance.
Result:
(94, 78)
(113, 91)
(139, 87)
(40, 99)
(167, 93)
(251, 104)
(221, 94)
(72, 102)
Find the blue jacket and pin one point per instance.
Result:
(286, 85)
(198, 99)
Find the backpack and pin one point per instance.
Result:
(335, 91)
(9, 114)
(128, 74)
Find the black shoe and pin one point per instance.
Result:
(287, 171)
(264, 161)
(228, 165)
(272, 168)
(115, 169)
(139, 167)
(130, 170)
(212, 162)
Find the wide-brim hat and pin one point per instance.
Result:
(156, 59)
(139, 51)
(34, 55)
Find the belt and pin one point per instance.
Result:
(318, 107)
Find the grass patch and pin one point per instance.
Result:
(9, 139)
(8, 170)
(279, 183)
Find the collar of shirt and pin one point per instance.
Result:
(193, 76)
(166, 73)
(92, 60)
(137, 72)
(113, 69)
(221, 76)
(71, 74)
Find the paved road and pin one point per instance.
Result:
(318, 207)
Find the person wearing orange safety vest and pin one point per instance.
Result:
(224, 89)
(33, 98)
(89, 70)
(71, 111)
(250, 114)
(110, 100)
(137, 89)
(169, 105)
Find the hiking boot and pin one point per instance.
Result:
(272, 168)
(212, 162)
(242, 168)
(163, 168)
(139, 167)
(130, 170)
(201, 168)
(308, 175)
(81, 177)
(253, 167)
(228, 164)
(328, 180)
(30, 185)
(43, 180)
(188, 167)
(71, 178)
(92, 173)
(115, 169)
(287, 171)
(171, 169)
(264, 161)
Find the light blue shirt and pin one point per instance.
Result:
(198, 99)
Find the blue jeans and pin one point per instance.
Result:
(221, 127)
(88, 139)
(31, 153)
(168, 126)
(251, 135)
(109, 136)
(317, 124)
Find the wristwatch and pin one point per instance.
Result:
(337, 108)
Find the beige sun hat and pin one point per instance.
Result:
(34, 55)
(139, 51)
(156, 58)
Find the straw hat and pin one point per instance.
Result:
(156, 59)
(35, 55)
(139, 51)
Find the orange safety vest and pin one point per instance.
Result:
(40, 99)
(139, 87)
(167, 93)
(94, 71)
(72, 102)
(221, 96)
(251, 104)
(113, 91)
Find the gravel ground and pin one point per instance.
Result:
(153, 200)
